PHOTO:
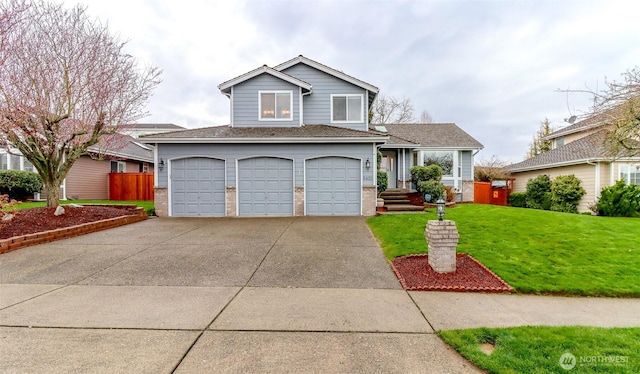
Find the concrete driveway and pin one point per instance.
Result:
(294, 294)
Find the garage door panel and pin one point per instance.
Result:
(198, 187)
(333, 186)
(265, 186)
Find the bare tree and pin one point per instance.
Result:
(425, 117)
(491, 169)
(538, 145)
(618, 106)
(389, 109)
(65, 83)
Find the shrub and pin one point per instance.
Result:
(450, 193)
(518, 199)
(433, 188)
(566, 193)
(426, 173)
(619, 200)
(19, 184)
(538, 195)
(383, 181)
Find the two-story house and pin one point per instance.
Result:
(298, 143)
(580, 149)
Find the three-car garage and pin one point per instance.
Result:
(265, 186)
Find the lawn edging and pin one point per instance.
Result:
(15, 242)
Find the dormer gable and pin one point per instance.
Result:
(371, 89)
(225, 87)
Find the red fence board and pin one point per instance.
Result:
(131, 186)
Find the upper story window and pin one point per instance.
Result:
(346, 108)
(275, 105)
(559, 141)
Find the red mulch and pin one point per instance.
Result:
(29, 221)
(415, 274)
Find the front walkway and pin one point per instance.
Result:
(295, 294)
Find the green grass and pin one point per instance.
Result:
(534, 251)
(147, 205)
(535, 349)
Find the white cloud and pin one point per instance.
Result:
(493, 67)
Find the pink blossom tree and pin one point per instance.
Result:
(65, 83)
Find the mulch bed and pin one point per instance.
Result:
(415, 274)
(33, 220)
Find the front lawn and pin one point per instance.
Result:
(534, 251)
(147, 205)
(537, 349)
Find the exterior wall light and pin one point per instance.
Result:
(440, 208)
(367, 164)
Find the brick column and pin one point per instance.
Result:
(161, 201)
(299, 201)
(231, 201)
(442, 239)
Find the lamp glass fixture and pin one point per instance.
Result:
(440, 208)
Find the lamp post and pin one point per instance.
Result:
(440, 208)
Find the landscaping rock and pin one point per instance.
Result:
(7, 217)
(59, 211)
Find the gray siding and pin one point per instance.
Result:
(245, 102)
(317, 106)
(466, 162)
(297, 152)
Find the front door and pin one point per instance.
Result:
(388, 165)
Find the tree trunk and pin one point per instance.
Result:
(53, 194)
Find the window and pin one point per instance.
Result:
(28, 166)
(346, 108)
(442, 158)
(3, 161)
(15, 162)
(275, 105)
(630, 174)
(118, 167)
(559, 141)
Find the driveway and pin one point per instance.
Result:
(293, 294)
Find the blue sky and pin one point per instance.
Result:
(492, 67)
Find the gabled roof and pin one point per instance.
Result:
(580, 126)
(124, 146)
(586, 149)
(153, 126)
(225, 87)
(373, 90)
(302, 134)
(432, 135)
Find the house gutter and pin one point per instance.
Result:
(265, 141)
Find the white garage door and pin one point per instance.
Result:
(265, 187)
(333, 186)
(197, 187)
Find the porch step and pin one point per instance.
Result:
(403, 208)
(400, 201)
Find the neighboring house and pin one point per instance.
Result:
(579, 149)
(89, 175)
(444, 144)
(298, 143)
(137, 130)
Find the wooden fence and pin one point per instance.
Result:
(485, 193)
(131, 186)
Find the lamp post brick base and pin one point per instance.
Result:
(442, 239)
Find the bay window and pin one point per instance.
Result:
(630, 174)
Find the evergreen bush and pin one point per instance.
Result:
(19, 184)
(619, 200)
(518, 199)
(566, 194)
(538, 195)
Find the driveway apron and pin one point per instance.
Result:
(287, 294)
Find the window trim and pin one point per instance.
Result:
(627, 168)
(275, 93)
(119, 164)
(347, 96)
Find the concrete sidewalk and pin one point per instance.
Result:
(245, 295)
